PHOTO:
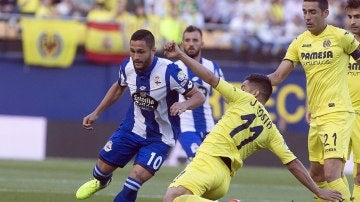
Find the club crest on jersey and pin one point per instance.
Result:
(157, 80)
(108, 146)
(145, 101)
(326, 43)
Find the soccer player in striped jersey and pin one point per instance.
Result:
(353, 14)
(244, 129)
(152, 122)
(324, 52)
(195, 124)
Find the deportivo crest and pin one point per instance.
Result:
(157, 80)
(326, 43)
(108, 146)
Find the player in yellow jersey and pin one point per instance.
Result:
(324, 51)
(245, 128)
(353, 13)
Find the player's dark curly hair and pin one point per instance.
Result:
(262, 83)
(323, 4)
(352, 4)
(144, 35)
(192, 28)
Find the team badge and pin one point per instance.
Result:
(50, 45)
(108, 146)
(326, 43)
(157, 80)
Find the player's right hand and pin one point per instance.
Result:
(330, 195)
(88, 120)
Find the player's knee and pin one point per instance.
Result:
(172, 193)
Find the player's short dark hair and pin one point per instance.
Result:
(323, 4)
(144, 35)
(262, 83)
(352, 4)
(192, 28)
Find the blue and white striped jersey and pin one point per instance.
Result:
(153, 92)
(199, 119)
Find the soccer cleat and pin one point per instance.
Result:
(89, 188)
(234, 200)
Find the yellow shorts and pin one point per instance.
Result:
(355, 139)
(206, 176)
(329, 136)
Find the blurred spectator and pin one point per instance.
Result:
(171, 27)
(292, 8)
(243, 34)
(149, 21)
(99, 13)
(28, 6)
(8, 6)
(65, 8)
(191, 14)
(125, 19)
(210, 11)
(277, 11)
(47, 9)
(82, 7)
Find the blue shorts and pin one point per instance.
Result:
(122, 146)
(190, 141)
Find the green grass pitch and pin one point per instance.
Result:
(56, 180)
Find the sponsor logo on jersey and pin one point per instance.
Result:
(144, 101)
(306, 45)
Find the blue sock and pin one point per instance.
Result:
(99, 175)
(129, 192)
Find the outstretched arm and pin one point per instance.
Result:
(300, 172)
(281, 72)
(110, 98)
(172, 50)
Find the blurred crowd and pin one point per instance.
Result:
(244, 25)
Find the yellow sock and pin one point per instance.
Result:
(322, 185)
(190, 198)
(356, 193)
(340, 186)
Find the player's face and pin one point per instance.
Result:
(192, 43)
(354, 20)
(314, 17)
(245, 86)
(141, 55)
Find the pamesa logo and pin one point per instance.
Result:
(49, 45)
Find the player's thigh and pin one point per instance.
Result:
(355, 139)
(205, 176)
(315, 146)
(152, 155)
(335, 131)
(120, 148)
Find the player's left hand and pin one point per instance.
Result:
(177, 108)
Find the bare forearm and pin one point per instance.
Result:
(198, 69)
(112, 95)
(300, 172)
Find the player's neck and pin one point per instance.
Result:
(357, 36)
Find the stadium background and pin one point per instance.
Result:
(45, 102)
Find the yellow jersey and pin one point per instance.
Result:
(324, 58)
(354, 84)
(244, 129)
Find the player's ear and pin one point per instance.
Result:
(255, 92)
